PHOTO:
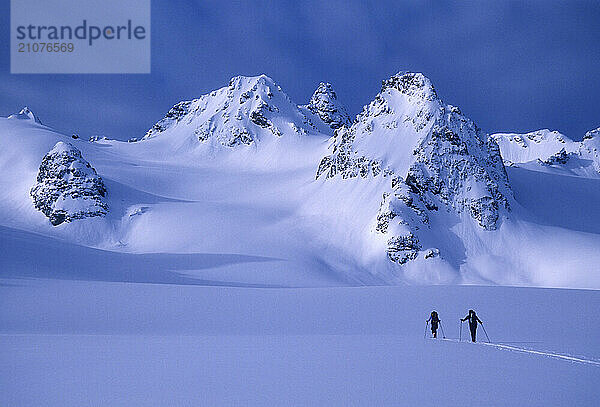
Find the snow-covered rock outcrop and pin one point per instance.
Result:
(437, 160)
(25, 114)
(324, 103)
(247, 111)
(67, 187)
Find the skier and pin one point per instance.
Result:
(473, 319)
(435, 320)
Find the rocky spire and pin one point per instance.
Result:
(324, 103)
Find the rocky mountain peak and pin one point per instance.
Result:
(434, 156)
(67, 186)
(246, 111)
(25, 114)
(413, 84)
(324, 103)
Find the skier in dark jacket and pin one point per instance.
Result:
(473, 320)
(435, 320)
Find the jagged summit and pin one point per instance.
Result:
(405, 116)
(394, 124)
(25, 114)
(434, 156)
(246, 111)
(413, 84)
(324, 103)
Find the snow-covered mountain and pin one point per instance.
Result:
(436, 159)
(25, 114)
(540, 144)
(553, 150)
(245, 186)
(248, 111)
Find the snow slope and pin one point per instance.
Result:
(73, 343)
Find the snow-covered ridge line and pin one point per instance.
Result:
(552, 148)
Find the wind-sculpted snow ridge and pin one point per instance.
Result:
(67, 187)
(324, 103)
(552, 149)
(25, 114)
(436, 159)
(248, 110)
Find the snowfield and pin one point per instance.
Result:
(74, 343)
(242, 253)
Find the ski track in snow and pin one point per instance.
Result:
(568, 358)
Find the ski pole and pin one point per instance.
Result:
(442, 328)
(426, 326)
(486, 335)
(460, 335)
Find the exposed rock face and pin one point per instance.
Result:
(559, 158)
(324, 103)
(402, 249)
(25, 114)
(67, 187)
(434, 156)
(247, 111)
